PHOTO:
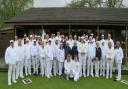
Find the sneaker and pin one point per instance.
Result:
(9, 84)
(15, 81)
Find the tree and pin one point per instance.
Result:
(97, 3)
(9, 8)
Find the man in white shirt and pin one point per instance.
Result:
(103, 55)
(90, 56)
(34, 55)
(49, 59)
(11, 60)
(20, 58)
(82, 49)
(27, 57)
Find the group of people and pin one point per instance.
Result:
(72, 55)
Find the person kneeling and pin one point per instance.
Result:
(75, 69)
(67, 66)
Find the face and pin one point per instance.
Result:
(97, 44)
(61, 45)
(68, 57)
(75, 58)
(109, 44)
(117, 44)
(12, 44)
(34, 42)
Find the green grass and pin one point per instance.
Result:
(39, 82)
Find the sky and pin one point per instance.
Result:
(57, 3)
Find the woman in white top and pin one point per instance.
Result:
(67, 66)
(75, 68)
(110, 53)
(61, 57)
(118, 58)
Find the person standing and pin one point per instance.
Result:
(61, 57)
(82, 49)
(34, 55)
(11, 60)
(97, 59)
(90, 56)
(118, 58)
(49, 59)
(20, 58)
(110, 54)
(103, 56)
(42, 57)
(27, 57)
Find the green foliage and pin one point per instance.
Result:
(96, 3)
(9, 8)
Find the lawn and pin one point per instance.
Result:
(39, 82)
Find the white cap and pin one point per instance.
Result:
(30, 35)
(27, 39)
(34, 40)
(86, 36)
(92, 34)
(102, 35)
(82, 37)
(11, 41)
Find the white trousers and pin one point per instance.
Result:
(76, 76)
(83, 65)
(42, 66)
(28, 66)
(35, 64)
(109, 69)
(11, 73)
(102, 66)
(89, 67)
(48, 70)
(60, 68)
(96, 68)
(19, 69)
(119, 70)
(54, 66)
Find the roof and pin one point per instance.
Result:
(72, 15)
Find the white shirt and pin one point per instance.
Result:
(49, 52)
(110, 53)
(71, 43)
(10, 55)
(61, 55)
(91, 50)
(34, 50)
(67, 65)
(41, 52)
(20, 53)
(27, 50)
(119, 55)
(75, 67)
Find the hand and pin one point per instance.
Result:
(109, 58)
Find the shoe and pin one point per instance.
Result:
(9, 84)
(15, 81)
(107, 77)
(21, 76)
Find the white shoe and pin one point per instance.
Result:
(15, 81)
(107, 77)
(21, 76)
(118, 79)
(9, 84)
